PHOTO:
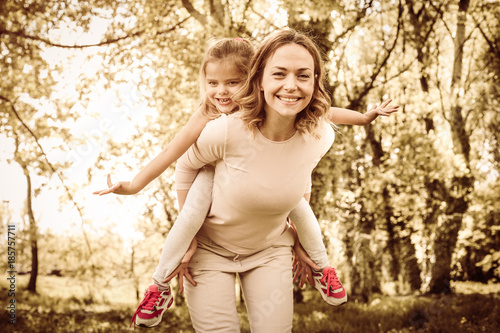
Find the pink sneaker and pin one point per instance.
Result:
(329, 286)
(152, 307)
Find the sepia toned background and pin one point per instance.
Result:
(409, 205)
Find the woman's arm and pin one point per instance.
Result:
(302, 263)
(181, 142)
(349, 117)
(181, 198)
(208, 148)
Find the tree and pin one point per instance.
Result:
(31, 116)
(475, 258)
(400, 193)
(455, 187)
(33, 232)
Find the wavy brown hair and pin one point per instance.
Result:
(251, 99)
(238, 50)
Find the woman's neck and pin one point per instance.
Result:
(278, 129)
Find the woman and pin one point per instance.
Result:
(264, 156)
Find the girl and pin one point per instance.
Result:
(224, 70)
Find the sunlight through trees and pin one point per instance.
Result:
(407, 203)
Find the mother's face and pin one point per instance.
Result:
(288, 80)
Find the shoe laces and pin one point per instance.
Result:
(331, 280)
(150, 300)
(148, 303)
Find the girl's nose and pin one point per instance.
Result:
(223, 89)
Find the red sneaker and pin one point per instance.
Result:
(328, 284)
(152, 307)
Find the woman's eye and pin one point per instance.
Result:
(304, 76)
(279, 74)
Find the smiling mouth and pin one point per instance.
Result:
(224, 101)
(288, 99)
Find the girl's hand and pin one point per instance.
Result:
(118, 188)
(302, 266)
(384, 109)
(183, 269)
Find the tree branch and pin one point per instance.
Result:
(491, 44)
(194, 13)
(217, 11)
(22, 34)
(52, 168)
(379, 68)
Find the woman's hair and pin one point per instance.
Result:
(251, 99)
(237, 50)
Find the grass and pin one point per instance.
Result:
(63, 305)
(447, 313)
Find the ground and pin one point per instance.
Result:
(62, 305)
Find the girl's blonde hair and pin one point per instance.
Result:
(238, 50)
(251, 99)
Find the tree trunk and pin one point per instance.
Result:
(444, 244)
(375, 145)
(461, 141)
(33, 234)
(392, 245)
(134, 278)
(456, 198)
(410, 269)
(364, 264)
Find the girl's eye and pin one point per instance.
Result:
(234, 83)
(212, 83)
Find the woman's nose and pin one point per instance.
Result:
(290, 82)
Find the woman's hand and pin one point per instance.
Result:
(118, 188)
(302, 266)
(183, 269)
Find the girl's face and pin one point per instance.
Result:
(223, 79)
(288, 81)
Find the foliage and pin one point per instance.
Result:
(400, 197)
(477, 255)
(404, 178)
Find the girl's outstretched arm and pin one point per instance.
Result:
(349, 117)
(181, 142)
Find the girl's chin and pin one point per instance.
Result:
(226, 109)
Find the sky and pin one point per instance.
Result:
(105, 116)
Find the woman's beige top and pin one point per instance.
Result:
(257, 181)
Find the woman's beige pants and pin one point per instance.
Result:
(266, 280)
